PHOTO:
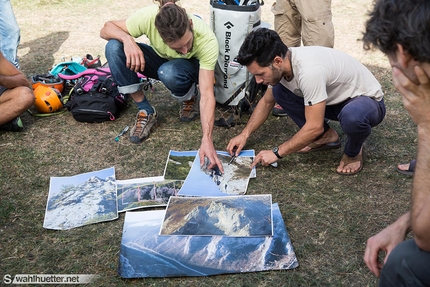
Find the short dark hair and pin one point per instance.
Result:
(404, 22)
(261, 45)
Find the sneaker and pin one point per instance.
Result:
(279, 111)
(142, 127)
(189, 109)
(14, 125)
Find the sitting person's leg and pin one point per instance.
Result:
(181, 77)
(10, 33)
(357, 118)
(13, 102)
(129, 83)
(407, 265)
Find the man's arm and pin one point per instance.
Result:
(416, 99)
(421, 190)
(10, 76)
(118, 30)
(312, 129)
(207, 118)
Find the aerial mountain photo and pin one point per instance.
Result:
(245, 215)
(144, 253)
(202, 181)
(80, 200)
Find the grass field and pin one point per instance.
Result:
(328, 217)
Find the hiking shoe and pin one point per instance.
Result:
(14, 125)
(279, 111)
(142, 127)
(189, 109)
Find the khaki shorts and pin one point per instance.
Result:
(307, 21)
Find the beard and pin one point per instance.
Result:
(276, 76)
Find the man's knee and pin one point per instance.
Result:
(113, 48)
(353, 124)
(174, 78)
(21, 98)
(26, 97)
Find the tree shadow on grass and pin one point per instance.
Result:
(40, 58)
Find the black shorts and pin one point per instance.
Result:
(2, 90)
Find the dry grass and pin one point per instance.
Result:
(329, 217)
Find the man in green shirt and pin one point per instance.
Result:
(182, 53)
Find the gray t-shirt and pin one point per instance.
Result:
(322, 73)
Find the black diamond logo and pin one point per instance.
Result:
(228, 25)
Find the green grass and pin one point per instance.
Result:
(328, 217)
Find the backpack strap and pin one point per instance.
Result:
(103, 71)
(98, 71)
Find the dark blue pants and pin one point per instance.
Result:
(180, 76)
(407, 265)
(356, 116)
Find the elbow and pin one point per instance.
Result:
(101, 34)
(102, 31)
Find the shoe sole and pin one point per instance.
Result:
(329, 146)
(279, 115)
(405, 172)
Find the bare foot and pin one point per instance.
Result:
(329, 136)
(404, 166)
(350, 165)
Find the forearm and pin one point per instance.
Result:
(403, 224)
(207, 116)
(420, 212)
(301, 139)
(309, 132)
(207, 103)
(17, 80)
(112, 31)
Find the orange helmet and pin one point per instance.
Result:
(47, 80)
(48, 100)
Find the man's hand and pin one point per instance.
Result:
(135, 58)
(264, 157)
(207, 149)
(386, 241)
(117, 29)
(416, 97)
(236, 144)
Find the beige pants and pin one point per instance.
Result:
(309, 21)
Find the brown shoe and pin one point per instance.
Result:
(189, 109)
(143, 126)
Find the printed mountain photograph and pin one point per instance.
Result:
(246, 215)
(144, 253)
(81, 200)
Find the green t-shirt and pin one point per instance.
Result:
(205, 45)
